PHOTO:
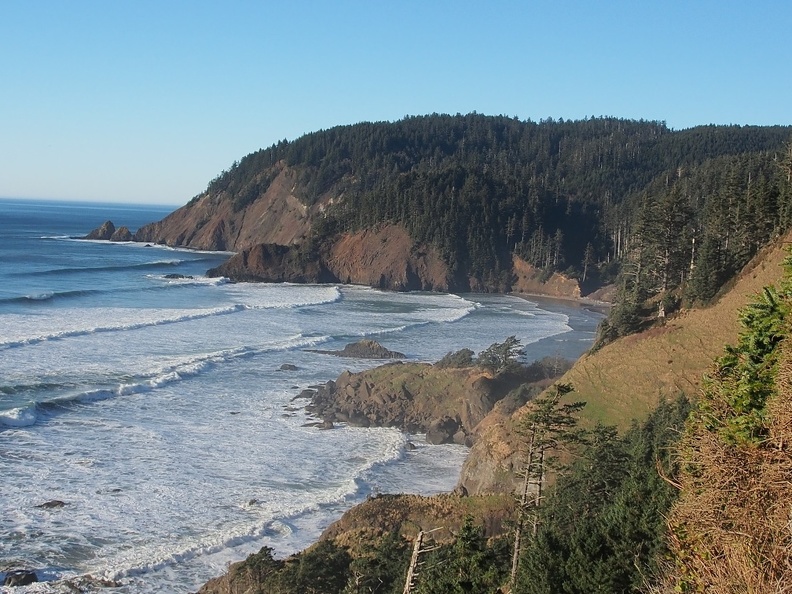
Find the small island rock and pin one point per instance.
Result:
(104, 232)
(55, 503)
(364, 349)
(122, 234)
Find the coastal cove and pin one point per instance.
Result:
(157, 410)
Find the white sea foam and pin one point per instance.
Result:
(181, 369)
(278, 296)
(23, 330)
(267, 517)
(41, 296)
(19, 417)
(198, 407)
(82, 319)
(189, 280)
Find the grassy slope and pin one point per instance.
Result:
(626, 379)
(730, 529)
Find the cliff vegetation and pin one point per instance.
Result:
(729, 531)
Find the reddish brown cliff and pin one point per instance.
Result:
(385, 258)
(388, 259)
(531, 280)
(216, 222)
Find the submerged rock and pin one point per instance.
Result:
(20, 577)
(305, 394)
(89, 583)
(54, 504)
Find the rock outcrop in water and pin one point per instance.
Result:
(52, 504)
(446, 404)
(363, 349)
(103, 232)
(122, 234)
(20, 577)
(107, 231)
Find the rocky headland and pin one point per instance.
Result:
(384, 257)
(447, 404)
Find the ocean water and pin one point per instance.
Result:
(156, 410)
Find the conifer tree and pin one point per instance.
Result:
(548, 427)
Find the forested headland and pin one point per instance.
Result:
(668, 215)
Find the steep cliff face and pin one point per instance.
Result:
(272, 263)
(494, 458)
(385, 258)
(219, 221)
(531, 280)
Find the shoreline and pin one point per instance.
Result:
(349, 518)
(465, 455)
(596, 305)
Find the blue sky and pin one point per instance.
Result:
(146, 101)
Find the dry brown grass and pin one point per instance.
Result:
(731, 530)
(409, 514)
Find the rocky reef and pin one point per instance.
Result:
(363, 349)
